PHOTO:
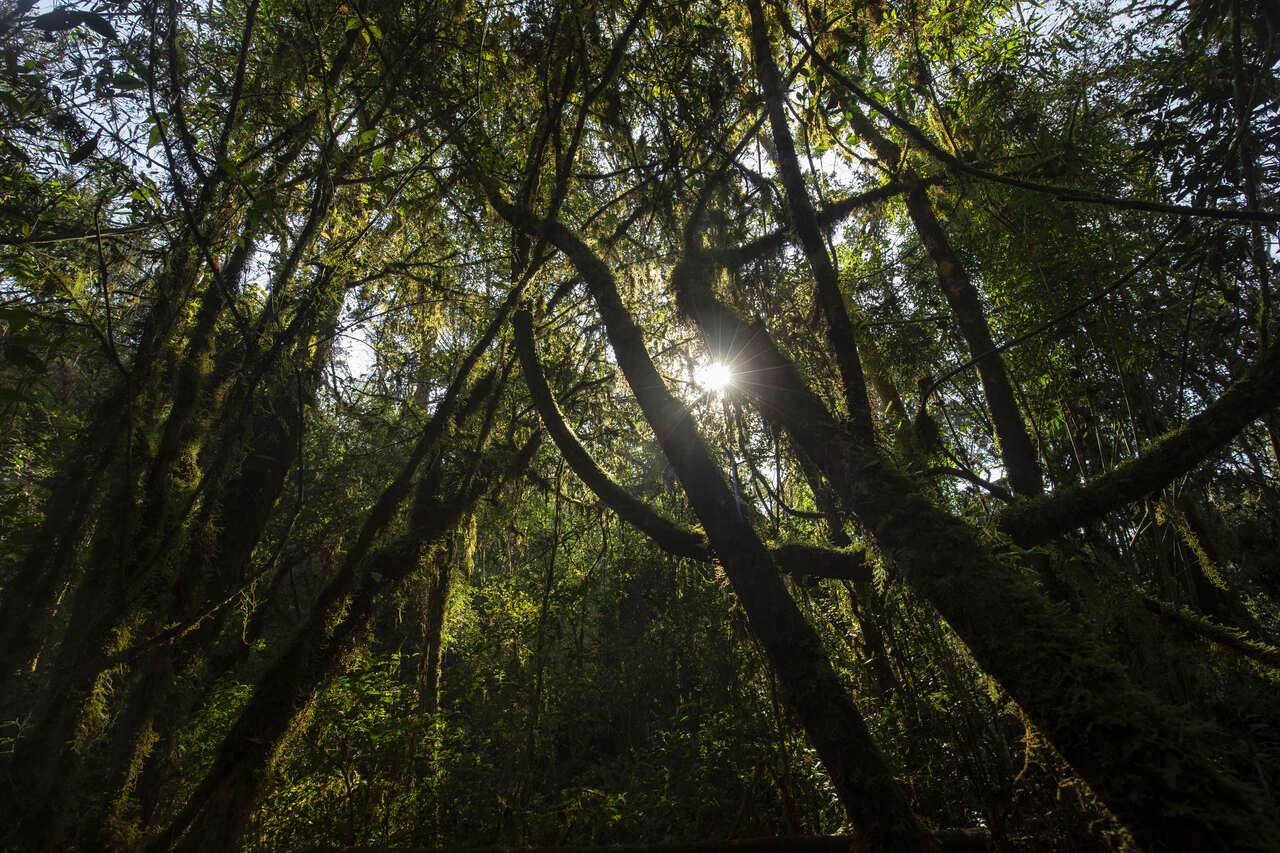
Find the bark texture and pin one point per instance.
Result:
(863, 780)
(1122, 741)
(1249, 398)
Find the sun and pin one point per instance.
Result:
(714, 377)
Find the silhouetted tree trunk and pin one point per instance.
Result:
(1090, 712)
(862, 779)
(1016, 448)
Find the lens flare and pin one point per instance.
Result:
(714, 377)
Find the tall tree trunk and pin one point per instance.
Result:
(862, 778)
(214, 816)
(29, 606)
(805, 221)
(439, 582)
(1129, 747)
(1016, 448)
(1017, 451)
(242, 507)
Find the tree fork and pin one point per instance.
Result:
(792, 558)
(862, 778)
(1122, 741)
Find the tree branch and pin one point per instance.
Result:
(1248, 398)
(737, 256)
(1064, 193)
(676, 539)
(1202, 626)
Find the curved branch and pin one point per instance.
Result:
(864, 783)
(737, 256)
(676, 539)
(671, 537)
(1063, 193)
(1248, 398)
(800, 559)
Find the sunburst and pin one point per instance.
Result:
(714, 377)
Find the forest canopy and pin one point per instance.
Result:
(581, 422)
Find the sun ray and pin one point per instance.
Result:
(714, 377)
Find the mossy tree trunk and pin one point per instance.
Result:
(863, 780)
(1017, 451)
(1123, 742)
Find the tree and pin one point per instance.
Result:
(539, 219)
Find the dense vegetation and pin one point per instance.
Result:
(361, 482)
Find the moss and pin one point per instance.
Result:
(121, 830)
(99, 708)
(1168, 514)
(1175, 453)
(1134, 749)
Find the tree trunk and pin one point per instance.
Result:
(863, 780)
(215, 815)
(1017, 451)
(1016, 448)
(440, 579)
(805, 221)
(1122, 741)
(29, 604)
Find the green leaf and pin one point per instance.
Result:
(98, 24)
(127, 83)
(60, 20)
(83, 151)
(15, 318)
(56, 21)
